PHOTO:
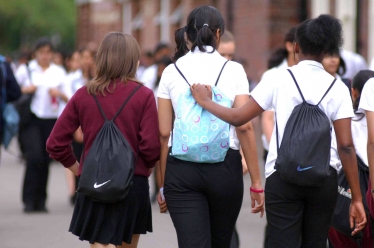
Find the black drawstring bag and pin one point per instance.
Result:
(340, 219)
(108, 169)
(304, 153)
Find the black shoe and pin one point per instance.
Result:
(29, 209)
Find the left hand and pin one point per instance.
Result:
(201, 93)
(259, 198)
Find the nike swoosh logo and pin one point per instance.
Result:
(99, 185)
(304, 169)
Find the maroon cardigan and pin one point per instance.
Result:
(138, 123)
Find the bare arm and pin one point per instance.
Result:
(370, 145)
(165, 118)
(267, 124)
(347, 155)
(247, 141)
(234, 116)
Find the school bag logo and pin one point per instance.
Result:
(199, 136)
(109, 166)
(304, 154)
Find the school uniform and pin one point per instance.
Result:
(300, 216)
(367, 104)
(44, 114)
(112, 223)
(203, 199)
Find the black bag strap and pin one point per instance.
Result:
(297, 85)
(219, 75)
(176, 67)
(123, 105)
(221, 72)
(3, 85)
(298, 88)
(332, 84)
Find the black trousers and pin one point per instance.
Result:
(299, 216)
(35, 136)
(204, 200)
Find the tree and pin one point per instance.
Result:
(23, 21)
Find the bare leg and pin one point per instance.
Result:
(98, 245)
(134, 242)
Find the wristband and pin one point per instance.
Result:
(256, 190)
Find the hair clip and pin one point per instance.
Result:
(205, 24)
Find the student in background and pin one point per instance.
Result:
(281, 59)
(46, 80)
(367, 105)
(360, 140)
(300, 216)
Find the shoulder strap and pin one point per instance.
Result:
(298, 88)
(123, 105)
(101, 110)
(221, 72)
(332, 84)
(128, 98)
(176, 67)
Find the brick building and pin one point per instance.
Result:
(258, 25)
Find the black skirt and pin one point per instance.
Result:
(113, 223)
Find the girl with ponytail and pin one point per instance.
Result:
(204, 199)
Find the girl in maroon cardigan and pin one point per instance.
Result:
(118, 224)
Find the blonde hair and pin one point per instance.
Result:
(117, 58)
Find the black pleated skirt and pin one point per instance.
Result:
(113, 223)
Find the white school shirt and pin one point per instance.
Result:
(272, 74)
(204, 68)
(22, 75)
(281, 94)
(360, 137)
(72, 82)
(52, 77)
(367, 95)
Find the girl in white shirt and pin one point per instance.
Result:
(299, 216)
(45, 83)
(204, 199)
(367, 105)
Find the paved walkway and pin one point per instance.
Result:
(19, 230)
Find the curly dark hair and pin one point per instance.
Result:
(322, 35)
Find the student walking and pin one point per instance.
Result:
(44, 85)
(121, 223)
(301, 189)
(360, 138)
(204, 199)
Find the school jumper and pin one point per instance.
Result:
(101, 222)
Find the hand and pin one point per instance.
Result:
(357, 216)
(54, 92)
(201, 93)
(161, 203)
(259, 198)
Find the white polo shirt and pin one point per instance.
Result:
(280, 93)
(204, 68)
(367, 95)
(73, 81)
(53, 77)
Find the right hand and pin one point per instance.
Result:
(357, 216)
(161, 203)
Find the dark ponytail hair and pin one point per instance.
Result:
(280, 54)
(322, 35)
(358, 83)
(202, 25)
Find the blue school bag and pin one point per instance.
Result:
(199, 136)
